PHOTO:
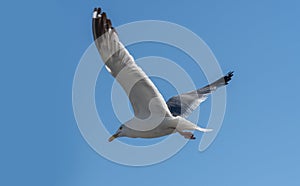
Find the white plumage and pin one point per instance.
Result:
(153, 116)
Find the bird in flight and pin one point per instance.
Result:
(153, 117)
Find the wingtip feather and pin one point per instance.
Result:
(228, 77)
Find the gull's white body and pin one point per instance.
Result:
(158, 126)
(152, 114)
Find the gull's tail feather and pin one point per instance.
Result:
(203, 129)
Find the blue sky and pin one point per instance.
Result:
(42, 43)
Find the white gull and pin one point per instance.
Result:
(153, 117)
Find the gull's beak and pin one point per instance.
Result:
(113, 137)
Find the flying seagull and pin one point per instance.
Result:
(153, 117)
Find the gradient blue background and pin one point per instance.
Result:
(41, 45)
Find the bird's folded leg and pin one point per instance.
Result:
(187, 135)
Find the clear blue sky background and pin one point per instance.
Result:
(42, 42)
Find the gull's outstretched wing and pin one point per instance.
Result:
(143, 95)
(184, 104)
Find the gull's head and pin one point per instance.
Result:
(120, 132)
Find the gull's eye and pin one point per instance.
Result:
(120, 128)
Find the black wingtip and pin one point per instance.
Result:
(96, 12)
(101, 24)
(227, 78)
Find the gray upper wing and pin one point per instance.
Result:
(184, 104)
